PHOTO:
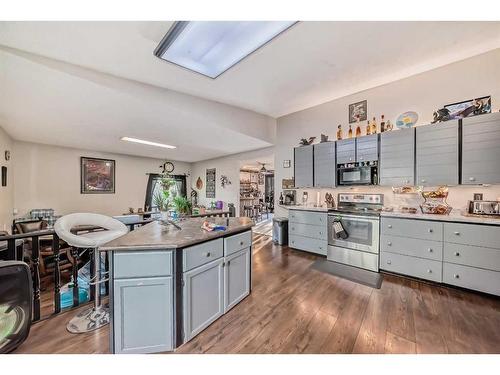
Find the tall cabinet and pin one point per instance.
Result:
(324, 164)
(397, 158)
(304, 166)
(437, 154)
(481, 149)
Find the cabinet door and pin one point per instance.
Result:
(236, 278)
(397, 158)
(203, 297)
(481, 149)
(367, 148)
(143, 315)
(324, 164)
(303, 162)
(346, 151)
(437, 154)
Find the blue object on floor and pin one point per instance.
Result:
(67, 297)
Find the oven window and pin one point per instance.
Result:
(351, 176)
(359, 232)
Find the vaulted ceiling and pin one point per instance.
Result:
(86, 84)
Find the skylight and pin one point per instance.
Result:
(212, 47)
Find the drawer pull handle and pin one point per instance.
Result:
(424, 181)
(320, 247)
(430, 250)
(456, 276)
(471, 178)
(457, 254)
(429, 271)
(431, 230)
(320, 233)
(389, 262)
(207, 254)
(457, 233)
(293, 242)
(228, 262)
(389, 226)
(389, 243)
(241, 243)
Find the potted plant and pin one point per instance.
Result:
(182, 205)
(161, 198)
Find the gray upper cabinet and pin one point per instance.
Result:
(437, 154)
(149, 301)
(303, 162)
(324, 164)
(481, 149)
(236, 278)
(346, 151)
(397, 158)
(203, 297)
(367, 148)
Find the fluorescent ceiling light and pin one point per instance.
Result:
(212, 47)
(135, 140)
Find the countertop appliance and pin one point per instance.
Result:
(365, 173)
(484, 207)
(359, 214)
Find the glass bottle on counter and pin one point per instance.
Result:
(382, 124)
(358, 131)
(281, 198)
(368, 128)
(349, 133)
(339, 132)
(374, 126)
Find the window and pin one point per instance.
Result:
(212, 47)
(154, 187)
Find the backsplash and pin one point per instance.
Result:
(457, 197)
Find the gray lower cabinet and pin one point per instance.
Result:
(307, 230)
(481, 149)
(236, 278)
(397, 158)
(412, 266)
(346, 151)
(304, 166)
(203, 295)
(486, 281)
(437, 149)
(150, 302)
(325, 166)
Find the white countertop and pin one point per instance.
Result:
(455, 215)
(304, 208)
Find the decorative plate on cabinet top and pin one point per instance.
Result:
(407, 120)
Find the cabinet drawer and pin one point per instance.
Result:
(198, 255)
(412, 247)
(237, 242)
(128, 264)
(411, 266)
(312, 245)
(471, 234)
(427, 230)
(306, 230)
(472, 278)
(475, 256)
(307, 217)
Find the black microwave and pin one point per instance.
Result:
(360, 175)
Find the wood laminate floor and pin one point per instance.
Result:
(296, 309)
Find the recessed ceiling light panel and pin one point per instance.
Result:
(149, 143)
(212, 47)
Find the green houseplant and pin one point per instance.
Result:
(182, 205)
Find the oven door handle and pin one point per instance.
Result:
(359, 218)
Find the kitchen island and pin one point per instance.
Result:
(168, 284)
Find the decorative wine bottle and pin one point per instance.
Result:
(382, 124)
(368, 128)
(374, 126)
(339, 133)
(349, 133)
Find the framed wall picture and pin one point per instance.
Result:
(359, 109)
(210, 183)
(97, 176)
(471, 107)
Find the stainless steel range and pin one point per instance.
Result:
(359, 215)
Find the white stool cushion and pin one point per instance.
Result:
(114, 229)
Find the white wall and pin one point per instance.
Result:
(49, 177)
(230, 167)
(423, 93)
(6, 193)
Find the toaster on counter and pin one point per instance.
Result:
(484, 207)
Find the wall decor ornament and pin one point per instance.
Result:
(358, 111)
(224, 180)
(324, 138)
(97, 176)
(286, 163)
(406, 120)
(167, 167)
(305, 142)
(199, 183)
(7, 155)
(442, 114)
(467, 108)
(210, 183)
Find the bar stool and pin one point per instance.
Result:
(97, 316)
